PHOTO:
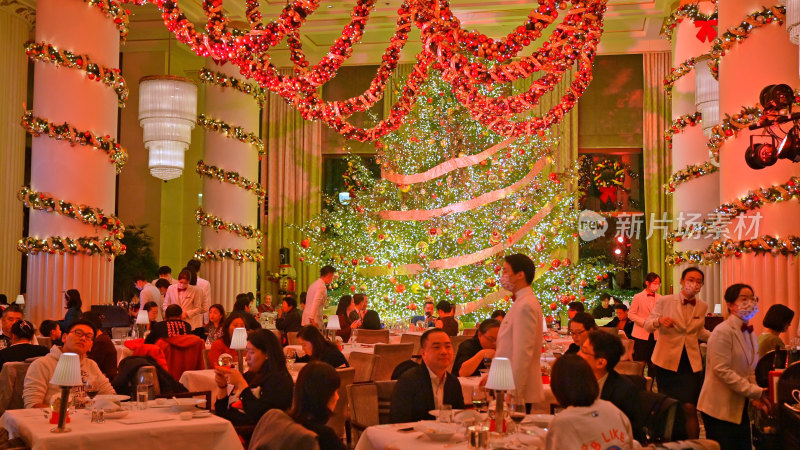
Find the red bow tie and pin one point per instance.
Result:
(746, 327)
(651, 295)
(690, 302)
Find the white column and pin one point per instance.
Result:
(14, 31)
(228, 201)
(700, 195)
(765, 57)
(79, 174)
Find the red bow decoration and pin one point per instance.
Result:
(707, 30)
(608, 194)
(746, 327)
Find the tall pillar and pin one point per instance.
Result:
(699, 195)
(229, 200)
(765, 57)
(80, 174)
(14, 31)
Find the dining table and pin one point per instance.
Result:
(151, 428)
(203, 380)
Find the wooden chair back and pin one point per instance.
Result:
(364, 365)
(12, 382)
(291, 338)
(470, 331)
(411, 338)
(630, 368)
(385, 390)
(363, 400)
(389, 356)
(45, 342)
(372, 336)
(341, 414)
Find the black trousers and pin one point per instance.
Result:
(643, 351)
(729, 435)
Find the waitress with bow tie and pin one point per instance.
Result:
(680, 321)
(643, 303)
(730, 365)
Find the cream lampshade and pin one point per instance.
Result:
(239, 339)
(68, 371)
(142, 318)
(501, 377)
(20, 300)
(333, 323)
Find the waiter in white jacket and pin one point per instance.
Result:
(316, 297)
(730, 367)
(520, 335)
(642, 304)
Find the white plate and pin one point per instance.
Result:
(436, 431)
(160, 403)
(201, 414)
(112, 397)
(116, 414)
(540, 420)
(435, 412)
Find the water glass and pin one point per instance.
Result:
(477, 437)
(142, 394)
(480, 399)
(291, 356)
(446, 414)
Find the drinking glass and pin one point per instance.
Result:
(446, 414)
(143, 389)
(480, 399)
(91, 389)
(516, 408)
(291, 356)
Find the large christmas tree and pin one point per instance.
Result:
(452, 199)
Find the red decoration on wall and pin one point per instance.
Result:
(708, 30)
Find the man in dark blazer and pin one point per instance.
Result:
(602, 351)
(289, 318)
(428, 386)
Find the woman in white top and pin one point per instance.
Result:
(642, 304)
(588, 422)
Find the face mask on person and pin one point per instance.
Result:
(506, 283)
(747, 309)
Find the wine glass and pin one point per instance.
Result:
(517, 409)
(291, 356)
(91, 389)
(480, 399)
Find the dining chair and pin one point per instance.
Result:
(372, 336)
(385, 390)
(389, 356)
(45, 342)
(456, 342)
(341, 413)
(469, 331)
(364, 365)
(363, 400)
(291, 338)
(630, 368)
(277, 431)
(412, 338)
(205, 394)
(12, 379)
(120, 332)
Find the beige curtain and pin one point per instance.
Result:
(565, 151)
(292, 174)
(14, 31)
(656, 157)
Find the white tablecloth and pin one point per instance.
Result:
(203, 380)
(346, 350)
(207, 433)
(469, 383)
(388, 437)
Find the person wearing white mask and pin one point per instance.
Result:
(730, 366)
(642, 304)
(520, 336)
(148, 292)
(680, 319)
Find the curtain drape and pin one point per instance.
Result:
(565, 133)
(292, 175)
(656, 158)
(14, 31)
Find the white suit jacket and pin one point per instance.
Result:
(730, 365)
(672, 340)
(315, 302)
(641, 306)
(192, 303)
(520, 340)
(205, 288)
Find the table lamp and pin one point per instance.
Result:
(66, 375)
(501, 379)
(20, 301)
(718, 309)
(239, 343)
(142, 320)
(333, 327)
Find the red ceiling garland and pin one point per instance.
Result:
(447, 47)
